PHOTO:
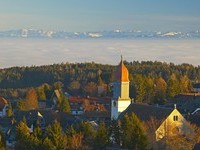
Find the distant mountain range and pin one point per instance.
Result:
(133, 34)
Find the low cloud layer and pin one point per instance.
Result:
(27, 52)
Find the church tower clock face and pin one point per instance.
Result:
(121, 99)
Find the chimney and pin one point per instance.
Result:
(174, 106)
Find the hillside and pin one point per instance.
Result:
(83, 78)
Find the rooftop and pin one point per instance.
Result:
(145, 112)
(3, 102)
(121, 74)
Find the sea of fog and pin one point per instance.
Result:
(27, 52)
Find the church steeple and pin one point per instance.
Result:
(121, 98)
(121, 74)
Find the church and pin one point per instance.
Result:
(121, 105)
(120, 100)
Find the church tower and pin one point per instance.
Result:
(120, 100)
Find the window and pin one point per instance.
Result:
(175, 118)
(114, 103)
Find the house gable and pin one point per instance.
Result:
(165, 120)
(173, 124)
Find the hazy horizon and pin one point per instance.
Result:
(28, 52)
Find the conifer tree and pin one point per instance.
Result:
(160, 90)
(24, 139)
(54, 133)
(173, 86)
(37, 132)
(149, 90)
(41, 93)
(185, 85)
(9, 112)
(21, 104)
(139, 87)
(22, 129)
(76, 141)
(64, 106)
(88, 132)
(2, 141)
(133, 136)
(33, 143)
(47, 145)
(102, 138)
(70, 131)
(48, 90)
(115, 132)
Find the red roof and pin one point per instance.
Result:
(121, 74)
(91, 99)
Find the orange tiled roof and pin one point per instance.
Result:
(91, 99)
(121, 74)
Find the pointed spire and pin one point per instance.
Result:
(121, 74)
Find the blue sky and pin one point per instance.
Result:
(99, 15)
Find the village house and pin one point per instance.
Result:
(76, 105)
(167, 120)
(79, 105)
(44, 118)
(55, 97)
(196, 87)
(186, 103)
(194, 117)
(96, 116)
(3, 107)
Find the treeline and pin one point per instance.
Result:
(83, 135)
(127, 133)
(153, 82)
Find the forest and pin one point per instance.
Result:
(150, 82)
(127, 133)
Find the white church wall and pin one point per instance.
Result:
(123, 104)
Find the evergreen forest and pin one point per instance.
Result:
(150, 82)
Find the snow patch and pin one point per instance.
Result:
(170, 34)
(159, 33)
(24, 33)
(48, 33)
(117, 31)
(94, 35)
(76, 33)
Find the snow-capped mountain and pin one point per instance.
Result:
(133, 34)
